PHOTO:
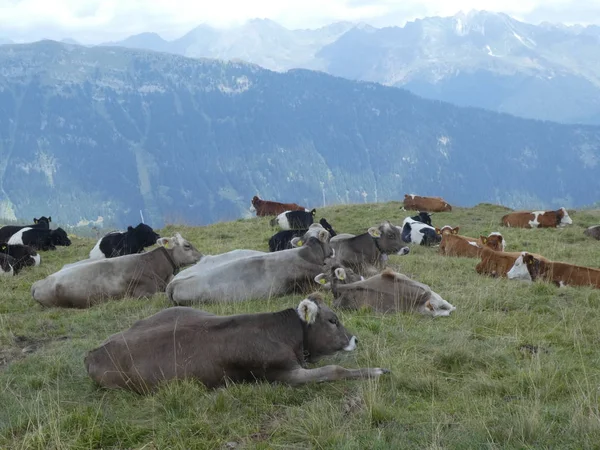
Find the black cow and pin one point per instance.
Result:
(423, 217)
(8, 230)
(134, 240)
(7, 263)
(40, 239)
(23, 255)
(294, 220)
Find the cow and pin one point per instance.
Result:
(255, 277)
(40, 239)
(282, 240)
(423, 217)
(430, 204)
(137, 275)
(559, 273)
(593, 232)
(369, 251)
(537, 219)
(463, 246)
(187, 343)
(24, 255)
(270, 208)
(387, 292)
(498, 263)
(294, 220)
(117, 243)
(7, 264)
(419, 233)
(8, 230)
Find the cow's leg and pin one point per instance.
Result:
(327, 373)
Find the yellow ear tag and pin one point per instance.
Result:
(306, 315)
(322, 281)
(300, 243)
(530, 262)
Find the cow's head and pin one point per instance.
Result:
(446, 207)
(255, 201)
(563, 218)
(317, 247)
(340, 274)
(525, 268)
(388, 239)
(181, 250)
(45, 221)
(144, 234)
(314, 230)
(495, 241)
(59, 237)
(324, 333)
(447, 229)
(423, 217)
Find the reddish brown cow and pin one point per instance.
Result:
(559, 273)
(497, 264)
(269, 208)
(456, 245)
(537, 219)
(430, 204)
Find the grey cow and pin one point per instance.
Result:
(369, 251)
(386, 292)
(254, 277)
(182, 342)
(137, 275)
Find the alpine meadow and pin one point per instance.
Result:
(514, 366)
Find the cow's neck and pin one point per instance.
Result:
(169, 258)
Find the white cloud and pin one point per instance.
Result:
(92, 21)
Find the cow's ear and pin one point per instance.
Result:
(49, 218)
(321, 278)
(164, 242)
(483, 239)
(3, 248)
(35, 220)
(323, 235)
(129, 228)
(438, 231)
(340, 273)
(455, 230)
(297, 242)
(308, 310)
(374, 232)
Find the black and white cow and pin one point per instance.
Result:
(7, 263)
(23, 255)
(423, 217)
(282, 240)
(294, 220)
(117, 243)
(7, 231)
(419, 233)
(40, 239)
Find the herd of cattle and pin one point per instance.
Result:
(182, 341)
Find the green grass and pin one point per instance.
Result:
(515, 366)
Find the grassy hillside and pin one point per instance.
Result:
(515, 366)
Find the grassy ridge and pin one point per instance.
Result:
(515, 366)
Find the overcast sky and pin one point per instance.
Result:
(95, 21)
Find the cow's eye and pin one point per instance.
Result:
(333, 321)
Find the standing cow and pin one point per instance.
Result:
(182, 342)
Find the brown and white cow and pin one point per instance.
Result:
(559, 273)
(386, 292)
(97, 281)
(463, 246)
(498, 264)
(429, 204)
(183, 342)
(537, 219)
(593, 232)
(270, 208)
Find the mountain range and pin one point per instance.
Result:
(481, 59)
(98, 135)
